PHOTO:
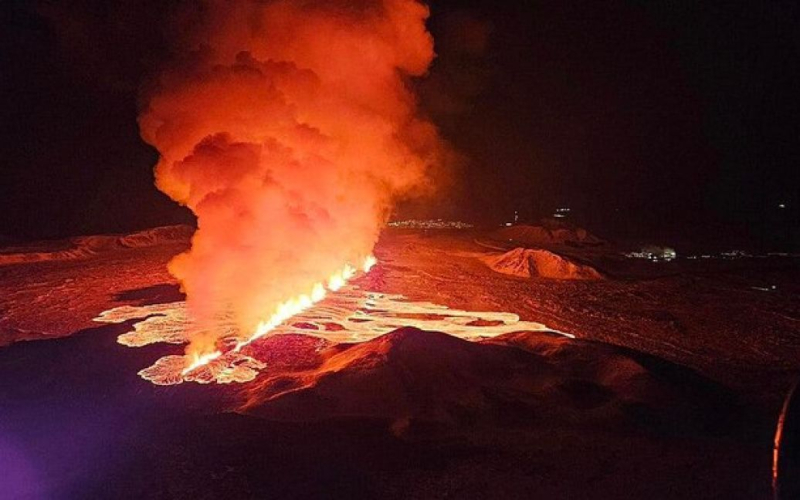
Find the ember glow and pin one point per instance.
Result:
(290, 130)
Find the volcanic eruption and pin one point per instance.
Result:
(289, 128)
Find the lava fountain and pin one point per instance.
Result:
(290, 130)
(285, 311)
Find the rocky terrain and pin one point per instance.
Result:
(527, 263)
(670, 389)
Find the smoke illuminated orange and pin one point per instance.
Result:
(290, 130)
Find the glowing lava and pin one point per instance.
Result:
(285, 311)
(352, 315)
(368, 263)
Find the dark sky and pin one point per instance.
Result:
(662, 116)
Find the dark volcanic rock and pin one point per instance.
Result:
(525, 377)
(548, 234)
(82, 247)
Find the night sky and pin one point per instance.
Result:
(645, 117)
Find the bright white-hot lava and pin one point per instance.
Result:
(351, 315)
(285, 311)
(368, 263)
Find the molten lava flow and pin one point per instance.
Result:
(351, 315)
(368, 263)
(201, 360)
(284, 311)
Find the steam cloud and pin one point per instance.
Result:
(289, 128)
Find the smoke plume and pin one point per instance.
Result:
(289, 129)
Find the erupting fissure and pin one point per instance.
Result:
(286, 310)
(290, 129)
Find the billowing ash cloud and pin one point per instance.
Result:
(288, 127)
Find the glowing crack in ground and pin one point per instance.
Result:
(350, 315)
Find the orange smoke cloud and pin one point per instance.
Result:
(289, 128)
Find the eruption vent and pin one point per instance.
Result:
(289, 129)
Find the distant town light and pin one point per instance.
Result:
(654, 254)
(561, 212)
(429, 224)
